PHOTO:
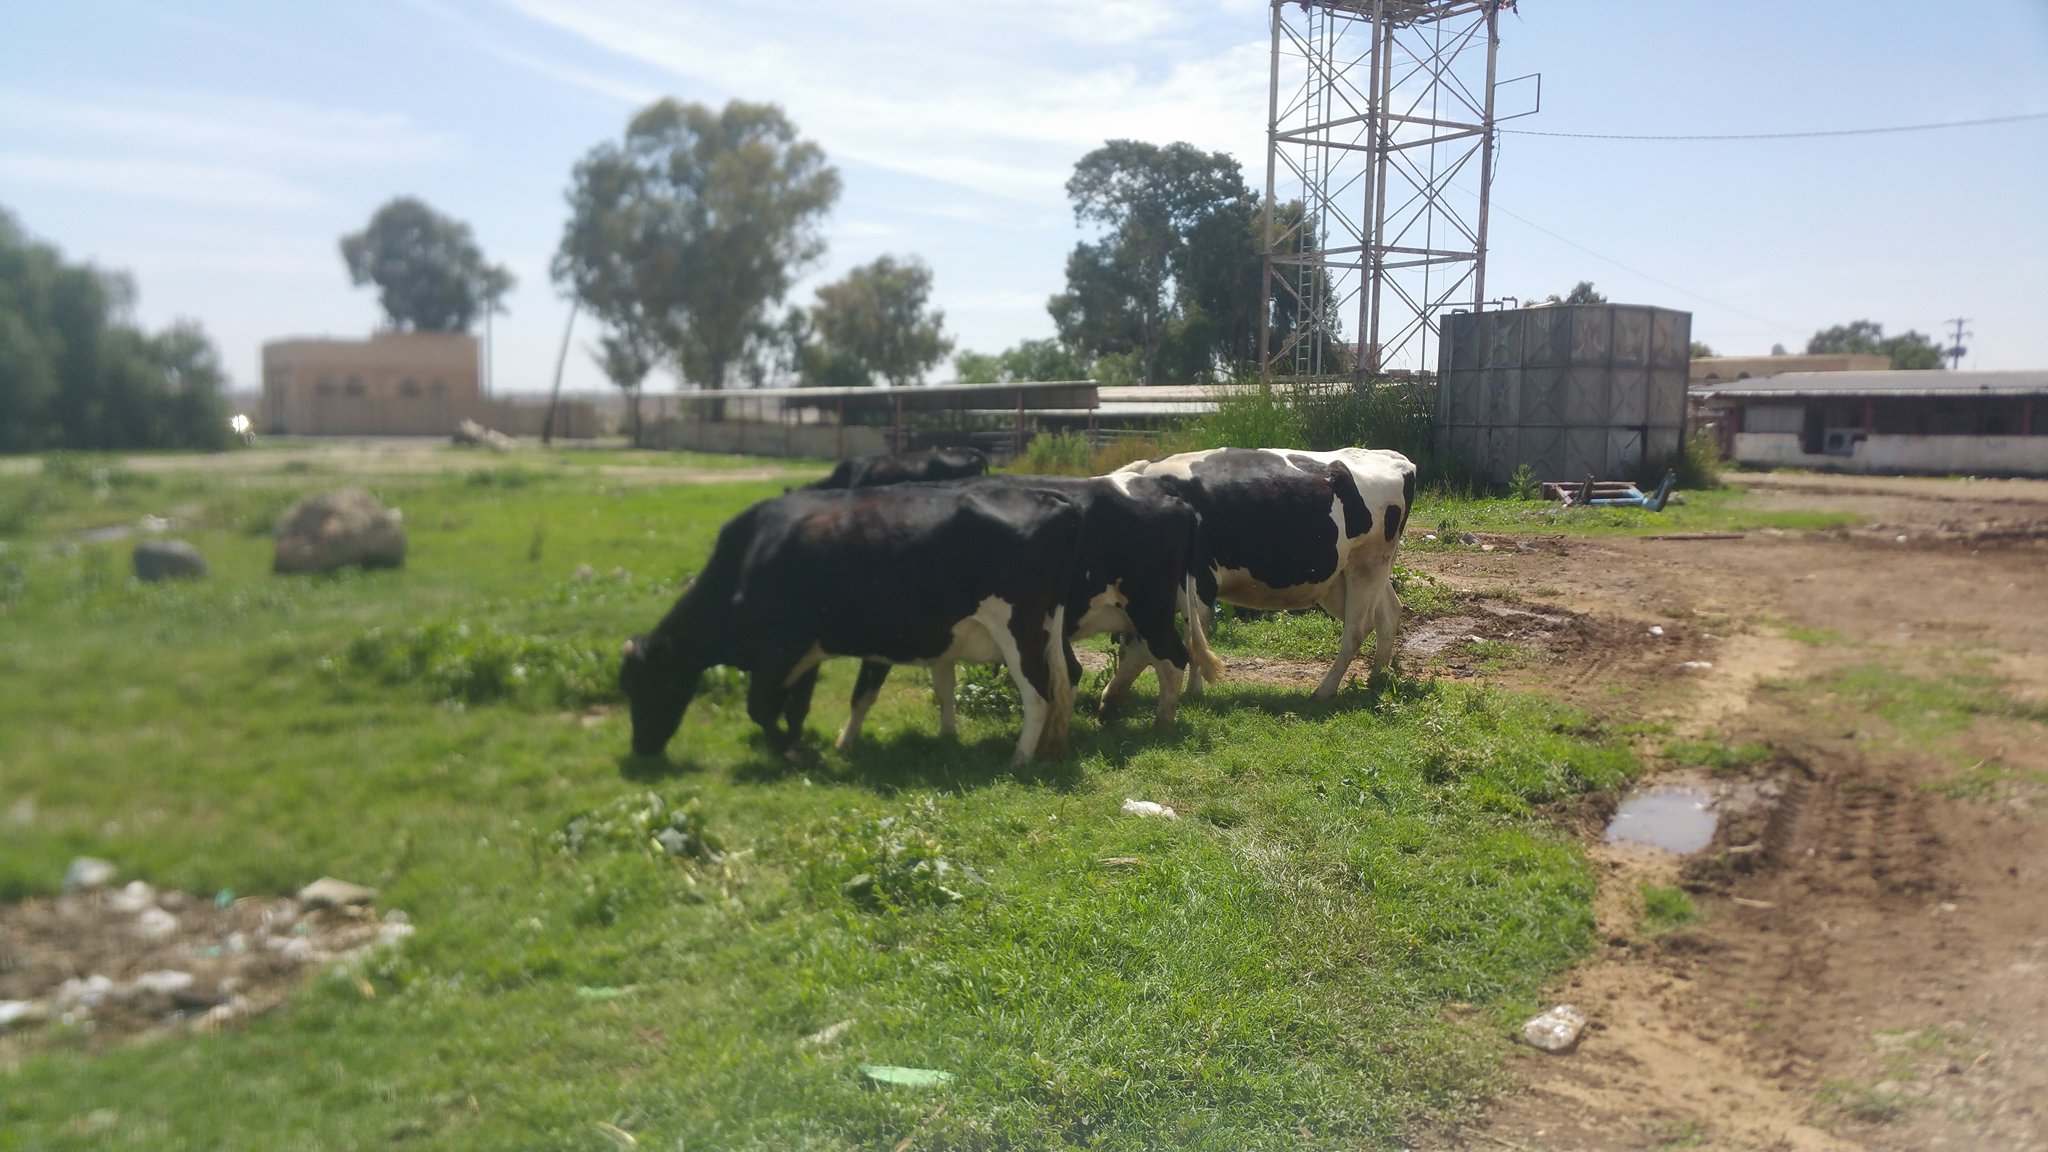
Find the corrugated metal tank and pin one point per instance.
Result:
(1568, 389)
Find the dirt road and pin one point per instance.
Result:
(1869, 969)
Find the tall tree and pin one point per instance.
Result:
(627, 359)
(877, 317)
(1908, 350)
(430, 274)
(76, 372)
(1581, 293)
(692, 227)
(1162, 210)
(1025, 360)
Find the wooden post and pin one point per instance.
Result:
(842, 427)
(1017, 436)
(896, 424)
(1869, 417)
(2027, 417)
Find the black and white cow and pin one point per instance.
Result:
(1287, 529)
(1134, 575)
(905, 468)
(916, 574)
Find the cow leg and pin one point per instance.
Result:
(1169, 692)
(796, 704)
(866, 687)
(765, 694)
(942, 687)
(1349, 603)
(1208, 610)
(1386, 626)
(1134, 659)
(1038, 667)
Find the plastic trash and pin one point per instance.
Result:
(905, 1077)
(1556, 1031)
(1148, 808)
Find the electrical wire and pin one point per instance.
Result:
(2014, 119)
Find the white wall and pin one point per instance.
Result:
(1938, 455)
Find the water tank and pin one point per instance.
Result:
(1568, 389)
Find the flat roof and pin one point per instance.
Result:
(1032, 395)
(1932, 383)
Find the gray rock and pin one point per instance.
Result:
(157, 560)
(340, 529)
(327, 892)
(88, 872)
(133, 898)
(162, 984)
(155, 924)
(471, 432)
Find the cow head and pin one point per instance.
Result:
(658, 686)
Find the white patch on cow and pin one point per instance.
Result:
(1180, 466)
(1106, 613)
(811, 659)
(983, 638)
(1122, 477)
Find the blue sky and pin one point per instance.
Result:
(217, 150)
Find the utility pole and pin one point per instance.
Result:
(1955, 349)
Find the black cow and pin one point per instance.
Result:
(1287, 529)
(1136, 572)
(905, 468)
(918, 574)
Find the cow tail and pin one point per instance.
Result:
(1198, 640)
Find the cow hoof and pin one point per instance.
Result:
(795, 754)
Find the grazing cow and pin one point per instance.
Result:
(918, 574)
(1287, 529)
(905, 468)
(1135, 573)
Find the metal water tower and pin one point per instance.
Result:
(1380, 128)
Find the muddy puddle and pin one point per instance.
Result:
(1677, 818)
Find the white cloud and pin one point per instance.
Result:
(217, 185)
(236, 129)
(997, 97)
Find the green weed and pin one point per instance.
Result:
(1665, 908)
(1715, 755)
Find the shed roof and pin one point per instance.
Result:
(1027, 394)
(1844, 385)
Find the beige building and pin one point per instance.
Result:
(1718, 368)
(393, 384)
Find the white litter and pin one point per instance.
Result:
(1148, 808)
(1556, 1031)
(1697, 665)
(1656, 629)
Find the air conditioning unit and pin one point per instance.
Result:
(1840, 442)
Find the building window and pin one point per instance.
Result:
(409, 388)
(437, 388)
(354, 386)
(323, 387)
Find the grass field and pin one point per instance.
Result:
(1328, 949)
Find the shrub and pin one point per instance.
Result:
(1321, 418)
(1057, 454)
(1698, 463)
(459, 663)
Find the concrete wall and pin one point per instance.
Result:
(754, 438)
(393, 384)
(1934, 455)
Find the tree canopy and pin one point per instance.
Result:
(687, 231)
(1908, 350)
(76, 372)
(1025, 360)
(876, 319)
(430, 274)
(1173, 281)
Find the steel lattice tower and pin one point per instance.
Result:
(1381, 130)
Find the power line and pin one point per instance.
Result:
(1789, 135)
(1776, 325)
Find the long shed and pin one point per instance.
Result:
(1934, 422)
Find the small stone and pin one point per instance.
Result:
(584, 573)
(1468, 539)
(155, 924)
(1556, 1031)
(390, 935)
(174, 900)
(164, 982)
(327, 892)
(159, 560)
(133, 898)
(1656, 630)
(86, 994)
(89, 872)
(1486, 547)
(1697, 665)
(300, 950)
(18, 1012)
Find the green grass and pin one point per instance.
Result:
(1716, 755)
(1927, 711)
(1279, 958)
(1446, 512)
(1665, 908)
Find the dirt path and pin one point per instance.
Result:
(1870, 967)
